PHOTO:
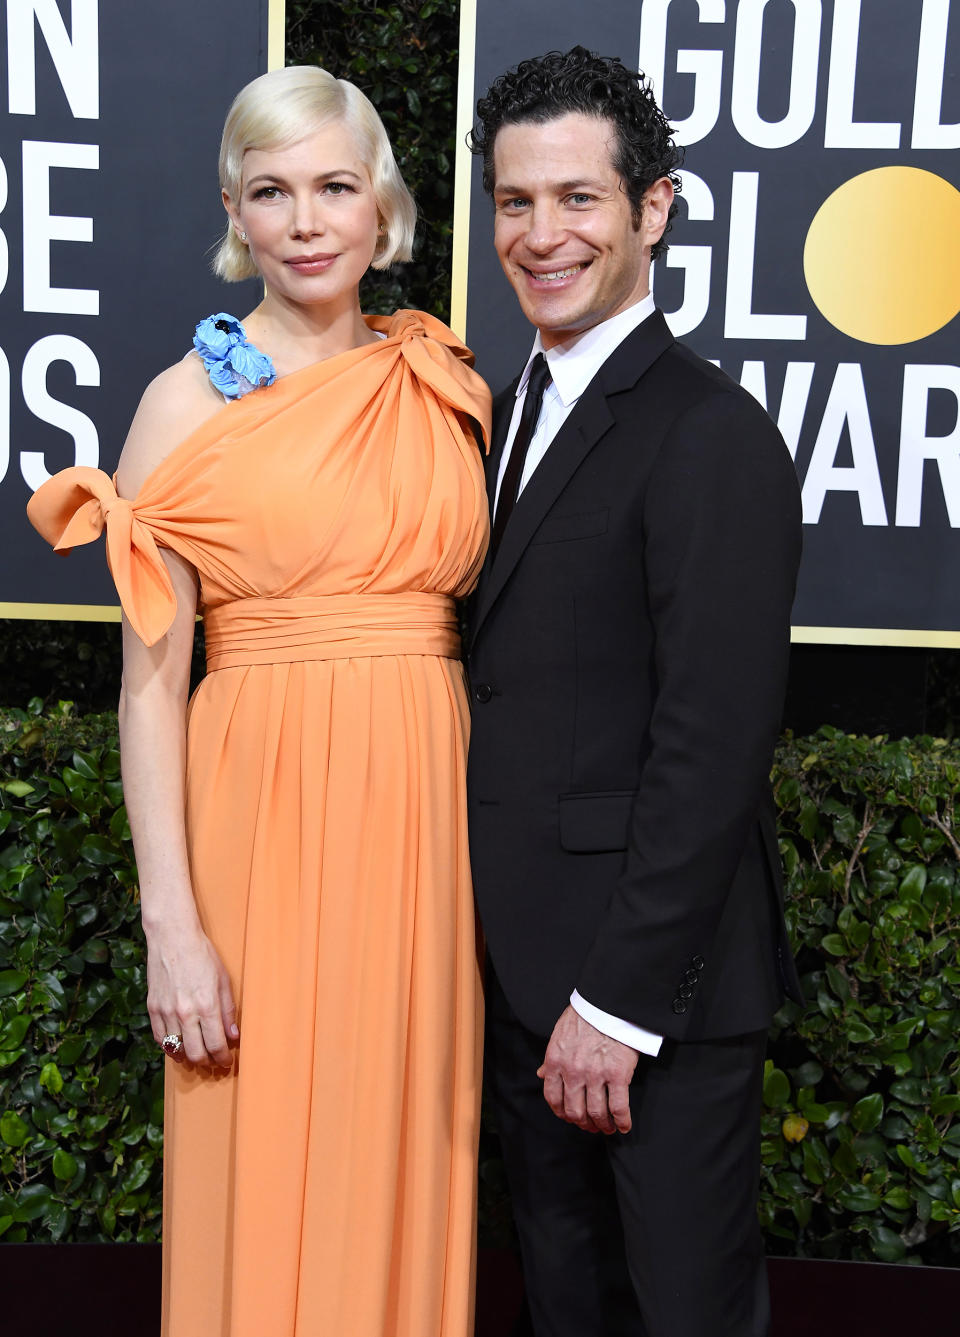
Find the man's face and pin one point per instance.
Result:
(564, 229)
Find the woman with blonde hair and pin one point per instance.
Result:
(308, 479)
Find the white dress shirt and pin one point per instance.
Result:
(573, 365)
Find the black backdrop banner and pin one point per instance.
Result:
(110, 120)
(815, 258)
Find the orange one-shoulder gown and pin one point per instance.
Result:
(325, 1187)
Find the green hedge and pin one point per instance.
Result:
(861, 1146)
(861, 1150)
(81, 1087)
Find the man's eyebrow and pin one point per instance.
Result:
(561, 187)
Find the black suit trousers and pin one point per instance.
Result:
(649, 1234)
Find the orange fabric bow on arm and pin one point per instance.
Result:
(73, 507)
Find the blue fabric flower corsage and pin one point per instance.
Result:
(235, 367)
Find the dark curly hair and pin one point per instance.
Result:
(579, 81)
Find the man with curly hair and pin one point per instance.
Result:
(628, 656)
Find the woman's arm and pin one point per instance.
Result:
(188, 991)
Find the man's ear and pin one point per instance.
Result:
(655, 210)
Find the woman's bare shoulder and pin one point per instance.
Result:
(174, 405)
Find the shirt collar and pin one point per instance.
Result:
(574, 363)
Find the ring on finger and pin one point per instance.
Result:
(172, 1045)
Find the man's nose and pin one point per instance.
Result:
(545, 230)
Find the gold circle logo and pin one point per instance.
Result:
(882, 256)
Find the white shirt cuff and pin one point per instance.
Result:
(645, 1042)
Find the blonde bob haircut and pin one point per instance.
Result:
(285, 106)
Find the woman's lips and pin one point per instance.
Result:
(310, 264)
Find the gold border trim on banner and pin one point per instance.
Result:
(276, 34)
(62, 612)
(923, 640)
(463, 169)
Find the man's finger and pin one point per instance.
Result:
(553, 1092)
(575, 1106)
(598, 1111)
(618, 1100)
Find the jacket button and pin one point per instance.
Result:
(691, 976)
(685, 991)
(679, 1006)
(483, 692)
(697, 963)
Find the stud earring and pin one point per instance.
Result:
(381, 229)
(243, 236)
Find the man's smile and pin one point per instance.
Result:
(553, 275)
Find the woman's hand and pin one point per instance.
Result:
(189, 994)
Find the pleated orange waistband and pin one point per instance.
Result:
(330, 626)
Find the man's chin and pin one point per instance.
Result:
(550, 319)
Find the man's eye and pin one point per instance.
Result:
(580, 198)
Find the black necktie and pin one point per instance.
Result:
(537, 383)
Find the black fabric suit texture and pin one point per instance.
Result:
(627, 653)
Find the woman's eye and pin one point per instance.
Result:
(267, 193)
(337, 187)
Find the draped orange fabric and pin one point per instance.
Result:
(326, 1186)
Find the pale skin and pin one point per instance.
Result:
(311, 221)
(575, 253)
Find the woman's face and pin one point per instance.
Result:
(310, 217)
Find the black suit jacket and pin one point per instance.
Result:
(628, 652)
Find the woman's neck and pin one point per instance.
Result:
(297, 335)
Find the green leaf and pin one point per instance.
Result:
(32, 1202)
(84, 764)
(913, 882)
(886, 1244)
(51, 1079)
(70, 1049)
(838, 982)
(860, 1033)
(12, 1032)
(107, 1216)
(815, 1112)
(11, 981)
(834, 944)
(64, 1165)
(13, 1130)
(776, 1088)
(18, 788)
(898, 1198)
(99, 851)
(844, 1160)
(909, 1090)
(808, 1074)
(867, 1113)
(858, 1198)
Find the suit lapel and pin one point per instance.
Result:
(591, 418)
(503, 407)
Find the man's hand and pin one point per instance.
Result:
(586, 1076)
